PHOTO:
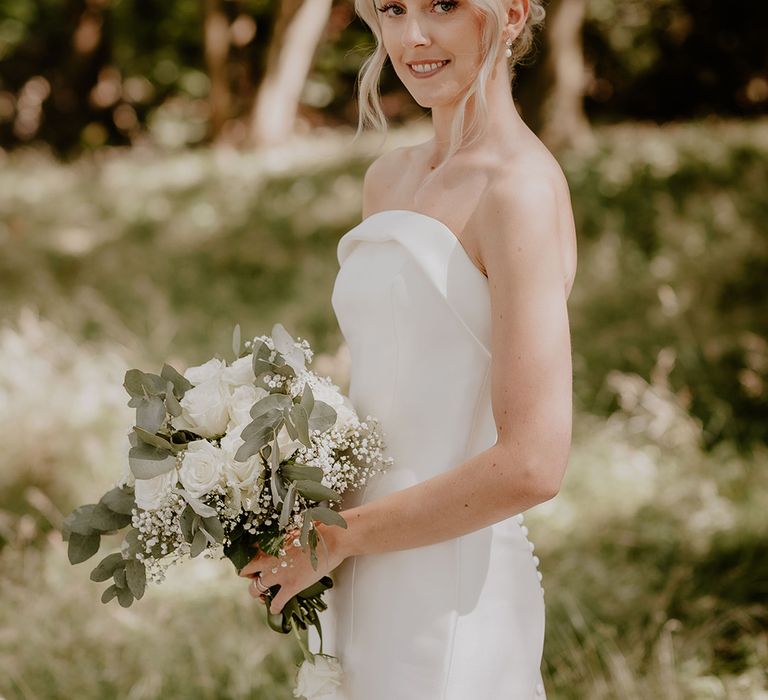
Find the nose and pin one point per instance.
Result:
(412, 34)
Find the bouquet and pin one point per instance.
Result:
(227, 457)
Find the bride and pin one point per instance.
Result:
(452, 297)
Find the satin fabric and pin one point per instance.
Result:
(462, 618)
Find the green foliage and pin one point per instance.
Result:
(673, 265)
(653, 553)
(674, 59)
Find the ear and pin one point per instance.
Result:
(517, 14)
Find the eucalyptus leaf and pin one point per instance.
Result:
(152, 439)
(289, 426)
(124, 597)
(328, 516)
(307, 399)
(82, 547)
(107, 566)
(263, 423)
(305, 527)
(119, 500)
(172, 405)
(313, 547)
(151, 414)
(261, 353)
(286, 346)
(136, 576)
(272, 402)
(252, 446)
(180, 383)
(301, 421)
(284, 370)
(132, 542)
(119, 577)
(147, 462)
(323, 417)
(290, 498)
(79, 521)
(198, 506)
(105, 520)
(133, 382)
(301, 471)
(109, 593)
(185, 523)
(214, 527)
(277, 487)
(208, 536)
(198, 543)
(154, 383)
(315, 491)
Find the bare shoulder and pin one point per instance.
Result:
(381, 177)
(526, 217)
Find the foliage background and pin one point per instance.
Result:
(127, 247)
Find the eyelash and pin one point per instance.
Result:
(451, 3)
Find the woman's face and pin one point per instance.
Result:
(417, 33)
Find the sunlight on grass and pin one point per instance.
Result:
(654, 555)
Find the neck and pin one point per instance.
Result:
(503, 117)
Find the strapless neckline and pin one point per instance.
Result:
(441, 226)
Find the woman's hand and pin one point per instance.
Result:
(298, 574)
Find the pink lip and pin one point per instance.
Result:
(431, 73)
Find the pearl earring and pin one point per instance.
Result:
(508, 52)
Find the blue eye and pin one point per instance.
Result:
(451, 4)
(388, 7)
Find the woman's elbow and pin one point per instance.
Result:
(540, 472)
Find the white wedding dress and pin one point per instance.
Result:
(460, 619)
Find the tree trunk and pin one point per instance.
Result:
(216, 38)
(552, 96)
(298, 30)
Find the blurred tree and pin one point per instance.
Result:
(298, 30)
(216, 53)
(676, 59)
(77, 73)
(551, 94)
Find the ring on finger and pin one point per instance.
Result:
(259, 584)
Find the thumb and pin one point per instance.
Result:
(277, 603)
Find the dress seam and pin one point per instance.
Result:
(457, 540)
(365, 485)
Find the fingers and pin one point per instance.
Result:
(254, 590)
(277, 603)
(258, 563)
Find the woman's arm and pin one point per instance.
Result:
(531, 390)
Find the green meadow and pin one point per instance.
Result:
(654, 554)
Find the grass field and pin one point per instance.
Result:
(654, 554)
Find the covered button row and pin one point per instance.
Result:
(520, 518)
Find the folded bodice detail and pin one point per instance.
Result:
(415, 313)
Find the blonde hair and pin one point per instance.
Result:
(494, 15)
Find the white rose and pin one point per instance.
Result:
(241, 402)
(345, 411)
(237, 473)
(205, 372)
(202, 467)
(152, 494)
(205, 408)
(240, 372)
(319, 681)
